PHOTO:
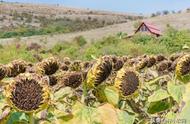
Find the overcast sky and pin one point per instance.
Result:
(132, 6)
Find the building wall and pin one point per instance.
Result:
(143, 29)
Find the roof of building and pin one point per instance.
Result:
(152, 28)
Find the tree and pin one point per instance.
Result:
(166, 12)
(153, 15)
(158, 13)
(173, 12)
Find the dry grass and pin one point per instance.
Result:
(13, 14)
(179, 21)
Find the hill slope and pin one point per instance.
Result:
(179, 21)
(14, 15)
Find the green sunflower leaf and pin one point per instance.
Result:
(159, 106)
(112, 95)
(184, 114)
(18, 118)
(176, 91)
(82, 114)
(63, 92)
(158, 95)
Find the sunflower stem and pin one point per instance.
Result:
(123, 105)
(84, 93)
(136, 108)
(31, 118)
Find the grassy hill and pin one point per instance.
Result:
(18, 19)
(54, 23)
(179, 21)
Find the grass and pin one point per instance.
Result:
(171, 42)
(51, 26)
(10, 52)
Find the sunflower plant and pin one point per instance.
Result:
(106, 90)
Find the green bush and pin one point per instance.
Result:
(10, 53)
(172, 41)
(80, 40)
(50, 26)
(143, 39)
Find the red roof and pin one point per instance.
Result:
(153, 29)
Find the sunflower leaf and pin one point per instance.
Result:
(112, 95)
(184, 114)
(158, 106)
(111, 115)
(82, 114)
(155, 80)
(125, 118)
(186, 97)
(158, 95)
(63, 92)
(176, 91)
(107, 94)
(18, 118)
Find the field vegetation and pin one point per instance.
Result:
(140, 80)
(52, 26)
(172, 41)
(24, 20)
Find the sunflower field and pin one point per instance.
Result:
(147, 89)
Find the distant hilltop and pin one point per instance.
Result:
(15, 14)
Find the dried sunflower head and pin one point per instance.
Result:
(72, 79)
(76, 66)
(175, 56)
(144, 56)
(151, 61)
(117, 63)
(28, 93)
(64, 67)
(160, 58)
(16, 67)
(2, 71)
(183, 69)
(86, 65)
(162, 66)
(127, 82)
(99, 72)
(125, 58)
(53, 80)
(48, 66)
(67, 61)
(131, 61)
(68, 79)
(30, 69)
(141, 64)
(173, 66)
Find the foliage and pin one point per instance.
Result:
(11, 52)
(80, 40)
(49, 26)
(143, 39)
(137, 24)
(171, 42)
(159, 93)
(162, 94)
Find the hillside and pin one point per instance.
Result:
(18, 19)
(179, 21)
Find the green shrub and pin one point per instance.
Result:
(174, 39)
(171, 42)
(143, 39)
(10, 53)
(80, 40)
(57, 48)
